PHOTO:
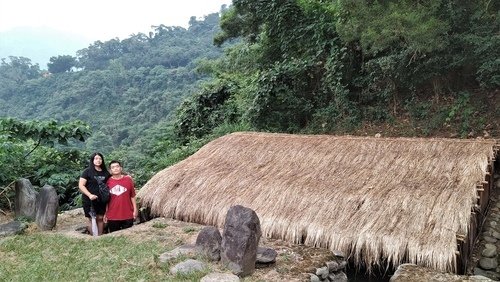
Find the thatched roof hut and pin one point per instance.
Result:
(393, 199)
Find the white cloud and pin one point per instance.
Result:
(103, 19)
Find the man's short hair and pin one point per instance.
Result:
(114, 162)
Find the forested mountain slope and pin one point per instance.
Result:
(118, 87)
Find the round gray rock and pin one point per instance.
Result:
(479, 271)
(495, 234)
(489, 253)
(322, 272)
(187, 250)
(490, 246)
(488, 263)
(187, 267)
(266, 255)
(332, 266)
(315, 278)
(490, 239)
(338, 277)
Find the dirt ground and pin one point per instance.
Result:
(292, 263)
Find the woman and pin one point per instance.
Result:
(88, 184)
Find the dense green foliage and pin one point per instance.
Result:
(413, 68)
(322, 66)
(39, 151)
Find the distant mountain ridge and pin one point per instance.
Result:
(39, 44)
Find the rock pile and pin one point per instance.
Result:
(237, 248)
(487, 264)
(332, 271)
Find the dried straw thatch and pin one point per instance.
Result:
(398, 199)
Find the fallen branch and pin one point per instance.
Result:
(6, 187)
(10, 203)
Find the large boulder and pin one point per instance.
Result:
(240, 240)
(208, 242)
(25, 199)
(47, 208)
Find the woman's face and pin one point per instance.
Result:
(97, 160)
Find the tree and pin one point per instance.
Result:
(61, 63)
(18, 69)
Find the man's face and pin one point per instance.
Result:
(116, 169)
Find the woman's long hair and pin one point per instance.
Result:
(91, 162)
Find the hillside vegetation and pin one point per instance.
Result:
(399, 68)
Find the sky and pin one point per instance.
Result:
(103, 19)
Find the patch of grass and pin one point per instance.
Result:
(48, 257)
(24, 219)
(192, 276)
(189, 229)
(160, 225)
(285, 257)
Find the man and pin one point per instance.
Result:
(122, 208)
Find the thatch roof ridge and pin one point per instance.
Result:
(360, 137)
(372, 198)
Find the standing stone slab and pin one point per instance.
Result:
(25, 199)
(47, 207)
(208, 242)
(240, 240)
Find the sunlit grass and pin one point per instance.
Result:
(42, 257)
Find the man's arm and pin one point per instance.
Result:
(134, 204)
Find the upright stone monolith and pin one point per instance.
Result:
(47, 207)
(240, 240)
(25, 199)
